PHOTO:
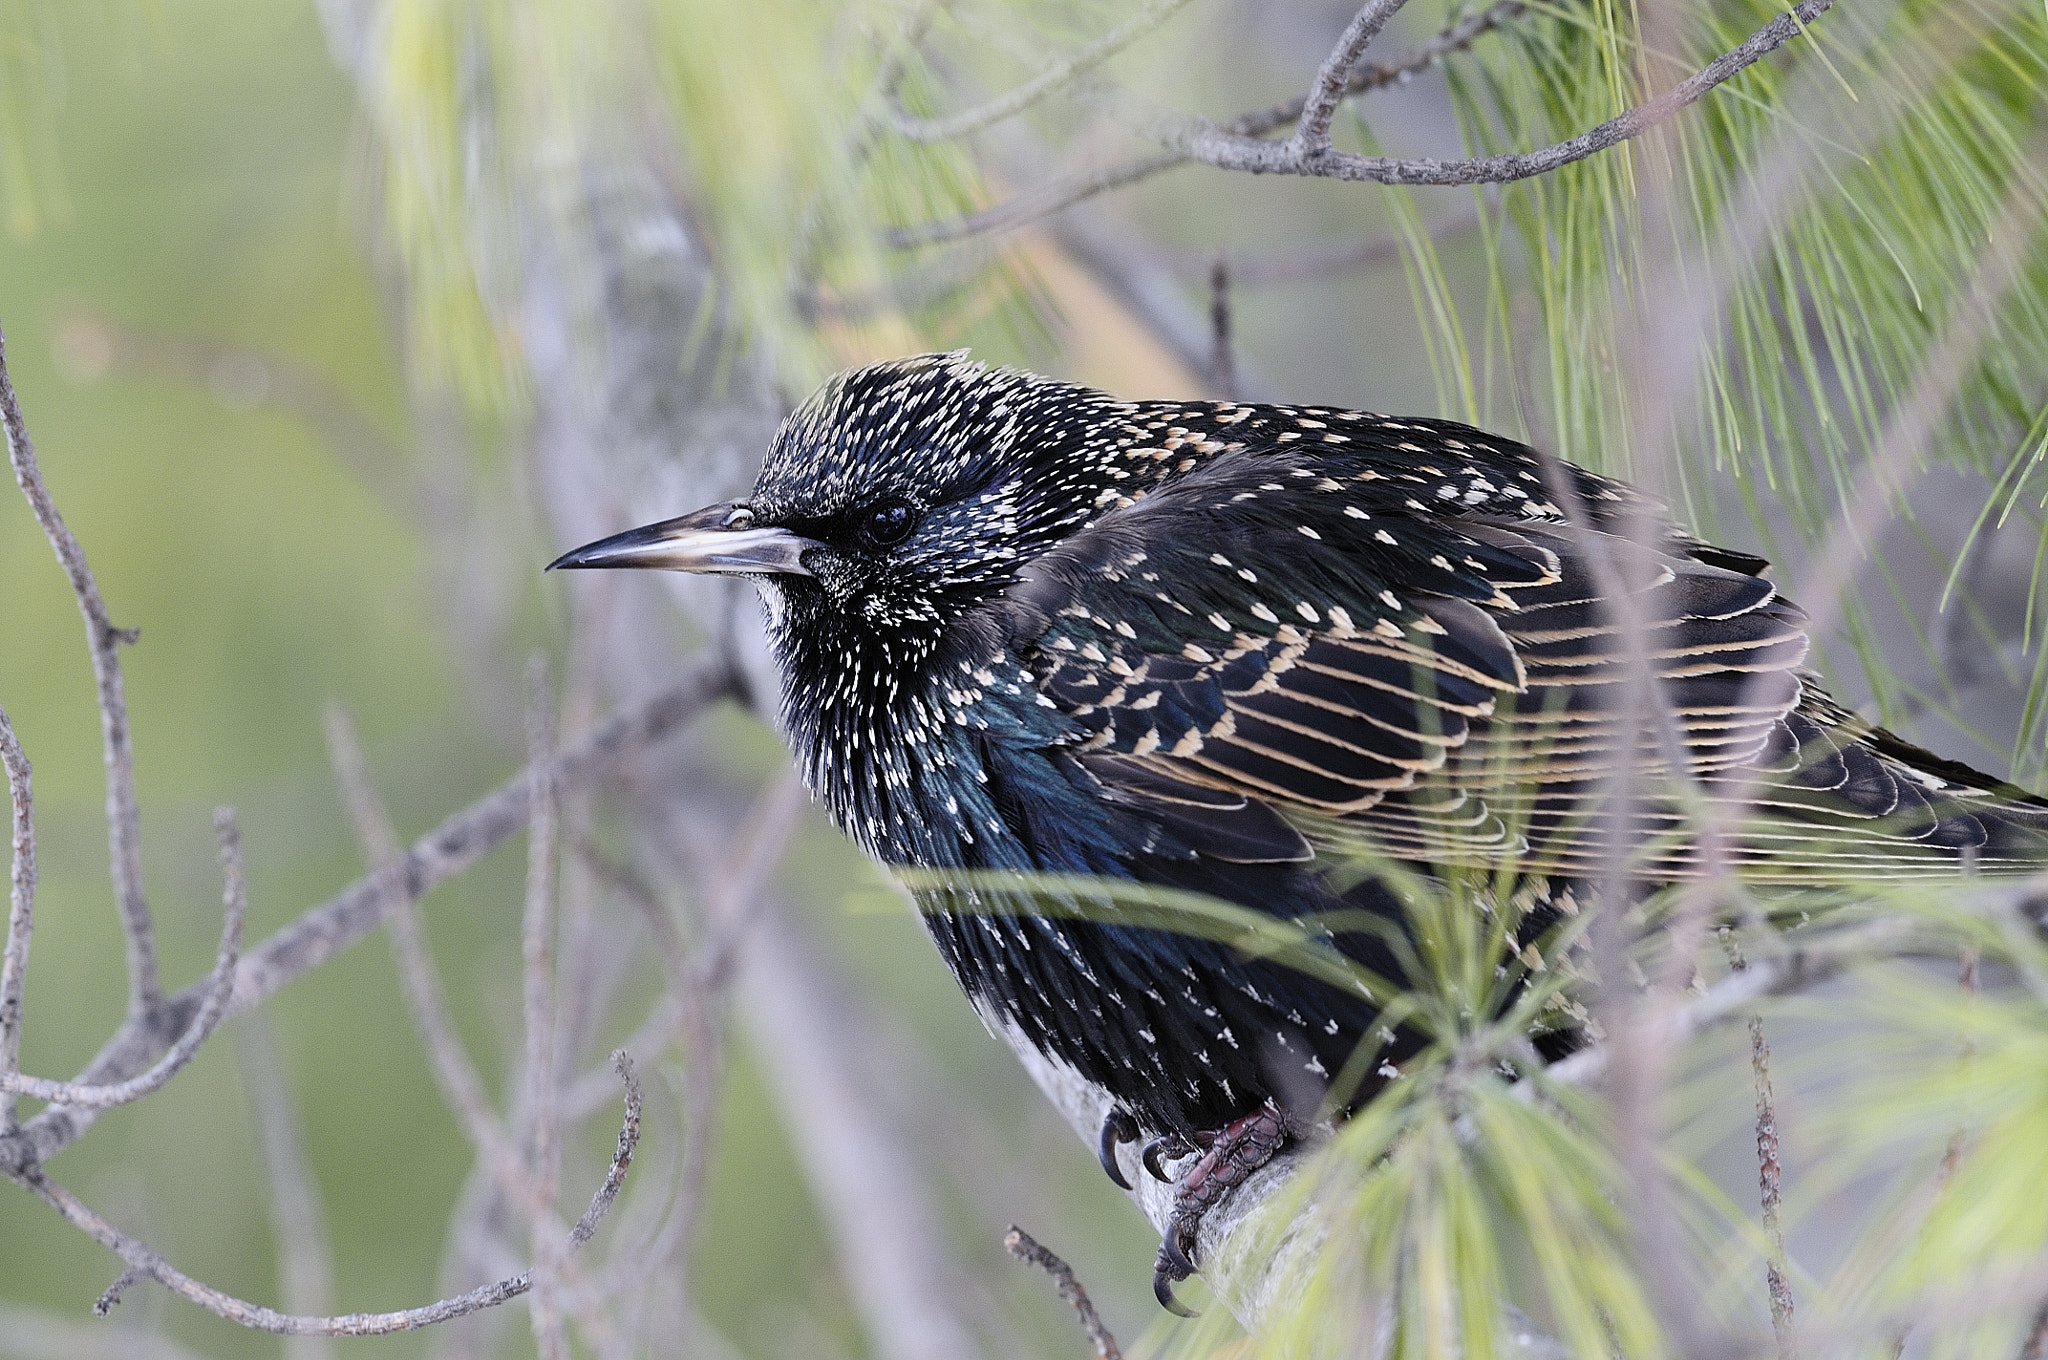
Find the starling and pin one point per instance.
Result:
(1029, 629)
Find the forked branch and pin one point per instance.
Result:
(218, 986)
(1203, 141)
(145, 1262)
(1244, 143)
(124, 834)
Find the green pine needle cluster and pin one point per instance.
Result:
(1814, 232)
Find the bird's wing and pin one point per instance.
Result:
(1291, 627)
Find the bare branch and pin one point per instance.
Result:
(1203, 141)
(21, 910)
(142, 1259)
(1025, 1248)
(219, 986)
(1239, 145)
(110, 1297)
(124, 824)
(1769, 1173)
(326, 930)
(1047, 199)
(1009, 105)
(1312, 135)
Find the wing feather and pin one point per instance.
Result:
(1450, 686)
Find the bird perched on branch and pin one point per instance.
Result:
(1031, 629)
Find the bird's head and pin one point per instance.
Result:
(903, 494)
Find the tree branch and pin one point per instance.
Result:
(1333, 81)
(21, 910)
(1226, 149)
(217, 988)
(1026, 1248)
(1056, 195)
(124, 824)
(143, 1260)
(326, 930)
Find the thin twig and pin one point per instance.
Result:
(1333, 81)
(1239, 145)
(110, 1297)
(1046, 199)
(1022, 1246)
(124, 823)
(139, 1257)
(537, 940)
(1769, 1173)
(219, 987)
(334, 925)
(1204, 141)
(1015, 101)
(461, 1085)
(21, 909)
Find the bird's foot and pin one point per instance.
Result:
(1118, 1128)
(1229, 1156)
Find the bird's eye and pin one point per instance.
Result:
(887, 524)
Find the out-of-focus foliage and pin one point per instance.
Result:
(31, 77)
(485, 112)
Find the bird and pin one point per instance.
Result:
(1035, 633)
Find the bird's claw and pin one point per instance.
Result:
(1118, 1128)
(1159, 1149)
(1174, 1265)
(1229, 1156)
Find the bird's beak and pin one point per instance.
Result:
(719, 539)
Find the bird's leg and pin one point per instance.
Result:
(1118, 1128)
(1230, 1155)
